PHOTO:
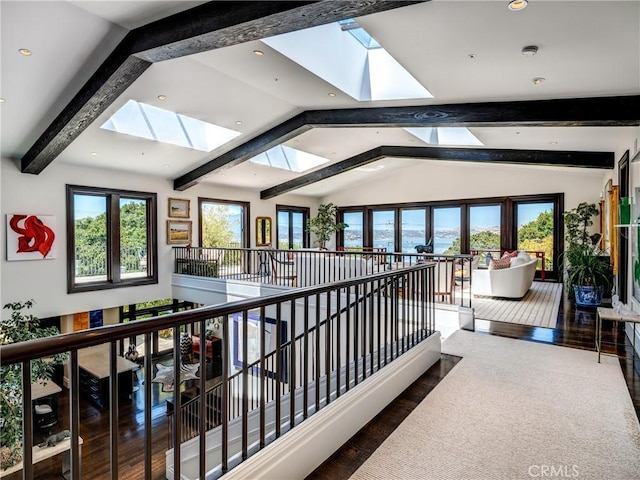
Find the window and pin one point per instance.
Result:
(527, 222)
(384, 228)
(223, 223)
(111, 238)
(484, 230)
(535, 228)
(292, 227)
(353, 235)
(446, 230)
(413, 229)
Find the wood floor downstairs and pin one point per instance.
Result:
(575, 328)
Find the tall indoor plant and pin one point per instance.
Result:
(588, 272)
(325, 224)
(19, 327)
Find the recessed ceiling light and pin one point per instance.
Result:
(258, 52)
(537, 80)
(93, 154)
(166, 165)
(331, 94)
(472, 55)
(553, 143)
(25, 51)
(162, 97)
(238, 122)
(516, 5)
(2, 100)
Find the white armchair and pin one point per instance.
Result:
(512, 282)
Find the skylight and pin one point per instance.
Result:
(346, 56)
(288, 158)
(359, 33)
(445, 135)
(153, 123)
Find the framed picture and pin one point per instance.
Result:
(635, 250)
(179, 208)
(603, 220)
(178, 232)
(613, 232)
(254, 324)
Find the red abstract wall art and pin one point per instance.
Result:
(30, 237)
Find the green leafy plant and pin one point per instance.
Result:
(20, 327)
(325, 224)
(585, 265)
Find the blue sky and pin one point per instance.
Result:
(89, 206)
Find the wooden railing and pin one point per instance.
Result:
(379, 330)
(302, 268)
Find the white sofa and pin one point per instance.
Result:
(512, 282)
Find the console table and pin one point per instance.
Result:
(93, 363)
(604, 313)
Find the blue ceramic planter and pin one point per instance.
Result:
(588, 296)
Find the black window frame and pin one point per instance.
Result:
(114, 279)
(508, 231)
(290, 210)
(246, 225)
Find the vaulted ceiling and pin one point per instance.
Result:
(90, 57)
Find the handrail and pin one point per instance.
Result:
(303, 267)
(361, 336)
(270, 356)
(43, 347)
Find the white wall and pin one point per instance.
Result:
(437, 180)
(44, 194)
(45, 280)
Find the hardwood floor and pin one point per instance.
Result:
(575, 328)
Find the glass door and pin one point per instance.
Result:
(484, 231)
(535, 234)
(353, 235)
(384, 222)
(413, 229)
(446, 230)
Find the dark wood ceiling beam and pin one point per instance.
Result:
(206, 27)
(285, 131)
(596, 111)
(327, 172)
(618, 111)
(556, 158)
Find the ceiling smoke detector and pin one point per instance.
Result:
(529, 50)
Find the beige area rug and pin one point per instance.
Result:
(539, 307)
(512, 409)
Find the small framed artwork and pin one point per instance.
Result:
(178, 232)
(179, 208)
(254, 324)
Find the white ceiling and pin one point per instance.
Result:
(586, 48)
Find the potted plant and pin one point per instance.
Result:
(19, 327)
(588, 272)
(325, 224)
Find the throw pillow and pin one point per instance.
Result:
(500, 263)
(515, 261)
(524, 255)
(510, 254)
